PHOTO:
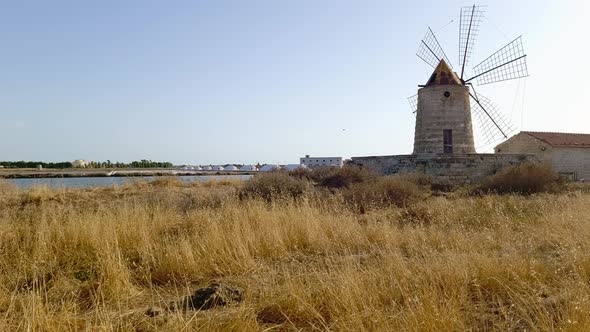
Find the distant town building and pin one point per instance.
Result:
(269, 168)
(321, 161)
(568, 154)
(292, 167)
(248, 168)
(79, 163)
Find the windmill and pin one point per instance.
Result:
(445, 104)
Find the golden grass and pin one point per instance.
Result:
(96, 259)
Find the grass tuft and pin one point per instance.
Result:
(275, 185)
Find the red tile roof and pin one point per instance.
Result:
(562, 139)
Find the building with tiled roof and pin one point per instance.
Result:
(568, 153)
(562, 139)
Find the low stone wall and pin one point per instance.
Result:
(457, 168)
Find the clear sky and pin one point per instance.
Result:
(195, 82)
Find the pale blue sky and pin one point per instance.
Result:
(260, 81)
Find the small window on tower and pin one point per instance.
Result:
(447, 140)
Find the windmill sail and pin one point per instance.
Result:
(494, 125)
(508, 63)
(413, 101)
(469, 22)
(430, 50)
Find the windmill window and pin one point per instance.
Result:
(447, 94)
(447, 141)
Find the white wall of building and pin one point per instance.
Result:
(321, 161)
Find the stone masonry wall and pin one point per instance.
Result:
(524, 143)
(457, 168)
(572, 160)
(436, 112)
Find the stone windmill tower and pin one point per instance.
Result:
(445, 104)
(443, 116)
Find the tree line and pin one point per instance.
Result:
(144, 163)
(33, 164)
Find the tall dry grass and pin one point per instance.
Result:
(96, 259)
(527, 178)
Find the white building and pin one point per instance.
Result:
(292, 167)
(321, 161)
(79, 163)
(269, 168)
(248, 168)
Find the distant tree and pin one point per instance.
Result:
(34, 164)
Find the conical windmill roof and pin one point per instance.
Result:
(443, 75)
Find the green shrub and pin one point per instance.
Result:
(336, 177)
(382, 192)
(419, 179)
(301, 173)
(525, 179)
(275, 185)
(434, 183)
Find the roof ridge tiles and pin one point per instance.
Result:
(561, 139)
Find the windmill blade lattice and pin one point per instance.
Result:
(469, 22)
(494, 125)
(508, 63)
(413, 101)
(430, 50)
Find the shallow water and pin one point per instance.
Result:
(92, 182)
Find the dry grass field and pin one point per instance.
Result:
(408, 258)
